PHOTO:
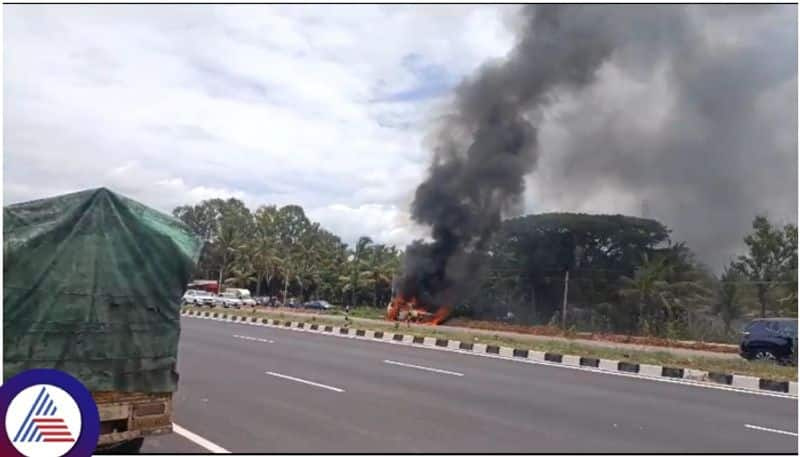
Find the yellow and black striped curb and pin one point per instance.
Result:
(643, 370)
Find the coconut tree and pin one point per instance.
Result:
(665, 288)
(357, 263)
(264, 246)
(644, 287)
(241, 273)
(381, 264)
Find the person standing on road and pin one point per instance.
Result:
(347, 314)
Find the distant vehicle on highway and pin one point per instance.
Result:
(318, 304)
(770, 339)
(228, 300)
(243, 295)
(198, 298)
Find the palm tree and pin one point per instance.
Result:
(265, 262)
(666, 288)
(241, 272)
(226, 245)
(264, 247)
(307, 257)
(357, 264)
(644, 286)
(381, 265)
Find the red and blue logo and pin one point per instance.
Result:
(48, 413)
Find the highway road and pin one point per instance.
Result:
(259, 389)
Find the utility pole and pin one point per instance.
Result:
(564, 305)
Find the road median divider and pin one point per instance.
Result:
(731, 381)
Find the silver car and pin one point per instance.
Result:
(228, 300)
(198, 298)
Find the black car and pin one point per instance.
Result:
(318, 304)
(770, 339)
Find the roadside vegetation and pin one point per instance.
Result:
(621, 275)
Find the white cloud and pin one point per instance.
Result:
(270, 104)
(382, 223)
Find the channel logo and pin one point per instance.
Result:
(48, 413)
(41, 428)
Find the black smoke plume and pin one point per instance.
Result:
(488, 143)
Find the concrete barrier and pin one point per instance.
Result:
(571, 360)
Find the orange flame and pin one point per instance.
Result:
(440, 315)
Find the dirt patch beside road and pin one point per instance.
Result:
(548, 333)
(542, 330)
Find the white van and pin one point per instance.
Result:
(243, 295)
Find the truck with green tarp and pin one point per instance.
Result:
(92, 283)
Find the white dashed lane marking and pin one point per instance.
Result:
(771, 430)
(304, 381)
(251, 338)
(199, 440)
(418, 367)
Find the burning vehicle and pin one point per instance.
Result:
(409, 310)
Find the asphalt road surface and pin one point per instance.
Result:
(258, 389)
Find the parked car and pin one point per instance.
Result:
(228, 300)
(198, 298)
(770, 339)
(318, 304)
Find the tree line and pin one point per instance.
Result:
(618, 273)
(280, 252)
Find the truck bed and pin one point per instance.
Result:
(126, 416)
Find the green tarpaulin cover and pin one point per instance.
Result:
(92, 286)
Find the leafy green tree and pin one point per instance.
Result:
(771, 256)
(728, 304)
(529, 256)
(222, 224)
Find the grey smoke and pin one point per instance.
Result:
(705, 172)
(724, 79)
